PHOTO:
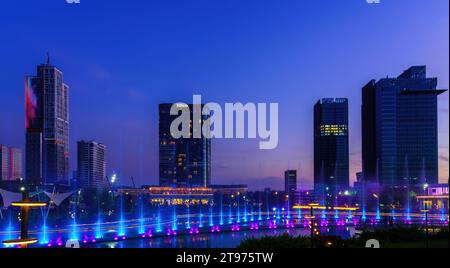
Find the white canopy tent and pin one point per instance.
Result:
(10, 197)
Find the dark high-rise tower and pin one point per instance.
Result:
(47, 127)
(331, 150)
(91, 172)
(290, 183)
(399, 129)
(184, 162)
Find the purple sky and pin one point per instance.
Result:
(122, 58)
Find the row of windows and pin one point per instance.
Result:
(333, 130)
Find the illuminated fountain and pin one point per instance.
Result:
(238, 216)
(245, 211)
(252, 214)
(377, 195)
(174, 219)
(188, 223)
(158, 220)
(230, 214)
(9, 228)
(288, 207)
(200, 218)
(260, 209)
(44, 231)
(408, 190)
(221, 210)
(121, 231)
(211, 216)
(141, 216)
(74, 229)
(98, 230)
(24, 241)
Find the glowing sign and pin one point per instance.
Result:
(31, 102)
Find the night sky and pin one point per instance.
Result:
(122, 58)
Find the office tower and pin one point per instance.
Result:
(91, 165)
(184, 162)
(47, 127)
(399, 129)
(10, 163)
(290, 183)
(331, 149)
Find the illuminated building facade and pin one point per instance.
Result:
(91, 172)
(169, 196)
(47, 127)
(230, 189)
(331, 149)
(184, 162)
(399, 129)
(435, 198)
(10, 163)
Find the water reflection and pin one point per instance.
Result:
(218, 240)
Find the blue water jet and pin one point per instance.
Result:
(238, 216)
(174, 219)
(393, 214)
(211, 221)
(221, 210)
(158, 221)
(350, 215)
(200, 218)
(44, 230)
(141, 216)
(408, 214)
(74, 231)
(121, 219)
(188, 223)
(230, 215)
(245, 212)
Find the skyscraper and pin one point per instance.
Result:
(331, 149)
(47, 127)
(184, 162)
(91, 173)
(10, 163)
(290, 183)
(399, 129)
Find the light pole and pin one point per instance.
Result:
(25, 206)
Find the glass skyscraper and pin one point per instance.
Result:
(400, 129)
(184, 162)
(47, 127)
(331, 149)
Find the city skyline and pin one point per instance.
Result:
(131, 106)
